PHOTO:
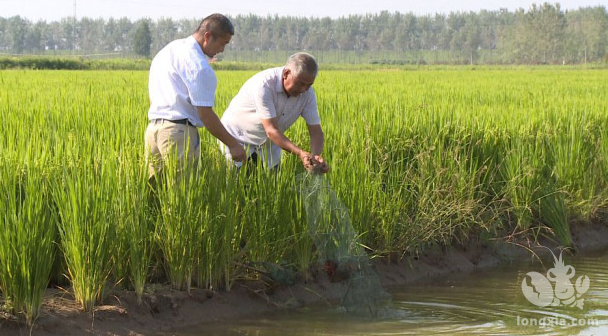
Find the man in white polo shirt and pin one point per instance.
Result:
(182, 93)
(268, 104)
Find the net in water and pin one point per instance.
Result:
(337, 247)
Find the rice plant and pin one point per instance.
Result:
(88, 227)
(135, 224)
(27, 247)
(182, 211)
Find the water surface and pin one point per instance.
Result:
(487, 302)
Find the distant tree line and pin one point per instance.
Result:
(542, 34)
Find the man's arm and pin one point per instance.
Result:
(275, 135)
(317, 141)
(215, 127)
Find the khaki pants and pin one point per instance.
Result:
(164, 138)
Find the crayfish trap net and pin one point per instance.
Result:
(338, 251)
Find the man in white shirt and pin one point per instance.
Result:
(268, 104)
(182, 94)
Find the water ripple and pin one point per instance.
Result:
(484, 303)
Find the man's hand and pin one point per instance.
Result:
(319, 166)
(314, 164)
(238, 153)
(306, 159)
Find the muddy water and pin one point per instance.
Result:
(483, 303)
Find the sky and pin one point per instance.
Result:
(52, 10)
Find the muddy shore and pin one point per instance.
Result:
(165, 310)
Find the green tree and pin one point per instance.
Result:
(17, 32)
(91, 35)
(124, 35)
(109, 41)
(142, 39)
(587, 34)
(165, 31)
(471, 37)
(36, 39)
(541, 34)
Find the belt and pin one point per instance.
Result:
(178, 121)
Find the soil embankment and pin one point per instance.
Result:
(164, 309)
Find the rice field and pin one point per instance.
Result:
(419, 158)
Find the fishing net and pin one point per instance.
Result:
(337, 248)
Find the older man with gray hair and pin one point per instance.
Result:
(267, 105)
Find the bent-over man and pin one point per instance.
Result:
(268, 104)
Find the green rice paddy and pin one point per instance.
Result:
(419, 158)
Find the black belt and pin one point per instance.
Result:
(178, 121)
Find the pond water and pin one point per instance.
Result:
(489, 302)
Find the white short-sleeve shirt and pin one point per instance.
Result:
(263, 97)
(180, 80)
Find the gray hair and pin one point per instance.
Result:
(302, 62)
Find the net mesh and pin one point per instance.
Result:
(342, 257)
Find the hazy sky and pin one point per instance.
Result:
(51, 10)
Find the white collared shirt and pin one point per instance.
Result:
(180, 80)
(263, 97)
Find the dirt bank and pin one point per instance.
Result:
(164, 309)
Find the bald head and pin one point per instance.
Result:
(302, 63)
